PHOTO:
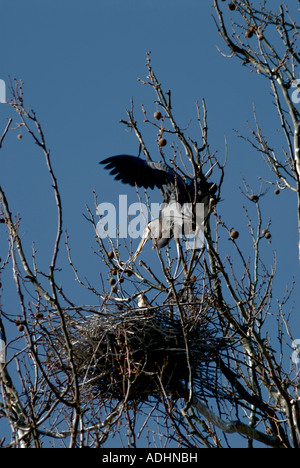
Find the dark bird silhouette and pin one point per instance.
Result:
(178, 195)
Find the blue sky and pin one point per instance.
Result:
(80, 61)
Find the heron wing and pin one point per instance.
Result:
(135, 171)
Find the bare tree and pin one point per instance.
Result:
(158, 359)
(265, 42)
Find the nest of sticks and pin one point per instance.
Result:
(142, 352)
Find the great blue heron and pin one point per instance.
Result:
(142, 301)
(178, 194)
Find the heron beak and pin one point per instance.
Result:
(138, 250)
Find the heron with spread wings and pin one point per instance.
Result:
(179, 194)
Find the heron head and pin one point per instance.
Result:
(160, 236)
